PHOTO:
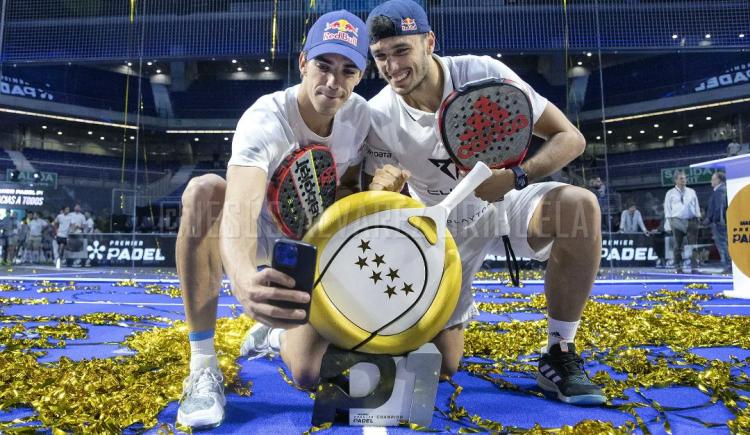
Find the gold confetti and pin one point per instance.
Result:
(648, 339)
(170, 290)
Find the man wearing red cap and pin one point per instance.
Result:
(555, 222)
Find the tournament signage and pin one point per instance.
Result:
(622, 249)
(21, 88)
(694, 175)
(27, 177)
(738, 227)
(153, 250)
(735, 75)
(628, 250)
(12, 196)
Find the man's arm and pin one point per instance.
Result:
(563, 143)
(238, 242)
(641, 224)
(667, 204)
(623, 216)
(695, 205)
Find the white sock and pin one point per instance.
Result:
(274, 338)
(202, 353)
(559, 331)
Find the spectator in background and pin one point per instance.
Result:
(147, 225)
(599, 188)
(88, 226)
(88, 230)
(716, 217)
(733, 149)
(78, 220)
(631, 220)
(9, 227)
(653, 206)
(23, 233)
(76, 242)
(37, 225)
(681, 211)
(49, 242)
(62, 229)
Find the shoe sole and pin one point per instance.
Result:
(582, 400)
(201, 420)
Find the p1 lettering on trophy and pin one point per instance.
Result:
(381, 390)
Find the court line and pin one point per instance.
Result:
(705, 306)
(112, 280)
(627, 281)
(59, 274)
(479, 282)
(149, 304)
(374, 430)
(237, 304)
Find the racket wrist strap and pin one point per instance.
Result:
(510, 259)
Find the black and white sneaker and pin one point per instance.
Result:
(561, 372)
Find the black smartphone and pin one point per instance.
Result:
(296, 259)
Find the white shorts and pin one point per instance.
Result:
(476, 242)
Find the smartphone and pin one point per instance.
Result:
(296, 259)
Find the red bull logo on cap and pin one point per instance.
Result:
(408, 24)
(341, 30)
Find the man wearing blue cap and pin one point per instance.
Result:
(549, 221)
(228, 223)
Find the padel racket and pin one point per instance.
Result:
(489, 121)
(301, 188)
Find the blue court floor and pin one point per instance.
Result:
(105, 351)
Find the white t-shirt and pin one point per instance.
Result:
(63, 224)
(79, 220)
(36, 226)
(88, 228)
(273, 127)
(408, 138)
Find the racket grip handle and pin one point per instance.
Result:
(466, 186)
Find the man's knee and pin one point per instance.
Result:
(305, 376)
(580, 212)
(209, 188)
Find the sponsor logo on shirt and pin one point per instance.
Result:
(445, 167)
(381, 154)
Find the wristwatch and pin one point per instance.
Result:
(522, 179)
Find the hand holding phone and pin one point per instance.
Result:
(297, 260)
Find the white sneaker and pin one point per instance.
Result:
(57, 263)
(256, 343)
(202, 403)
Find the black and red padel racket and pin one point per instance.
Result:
(301, 188)
(489, 121)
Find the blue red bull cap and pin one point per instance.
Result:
(407, 16)
(339, 32)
